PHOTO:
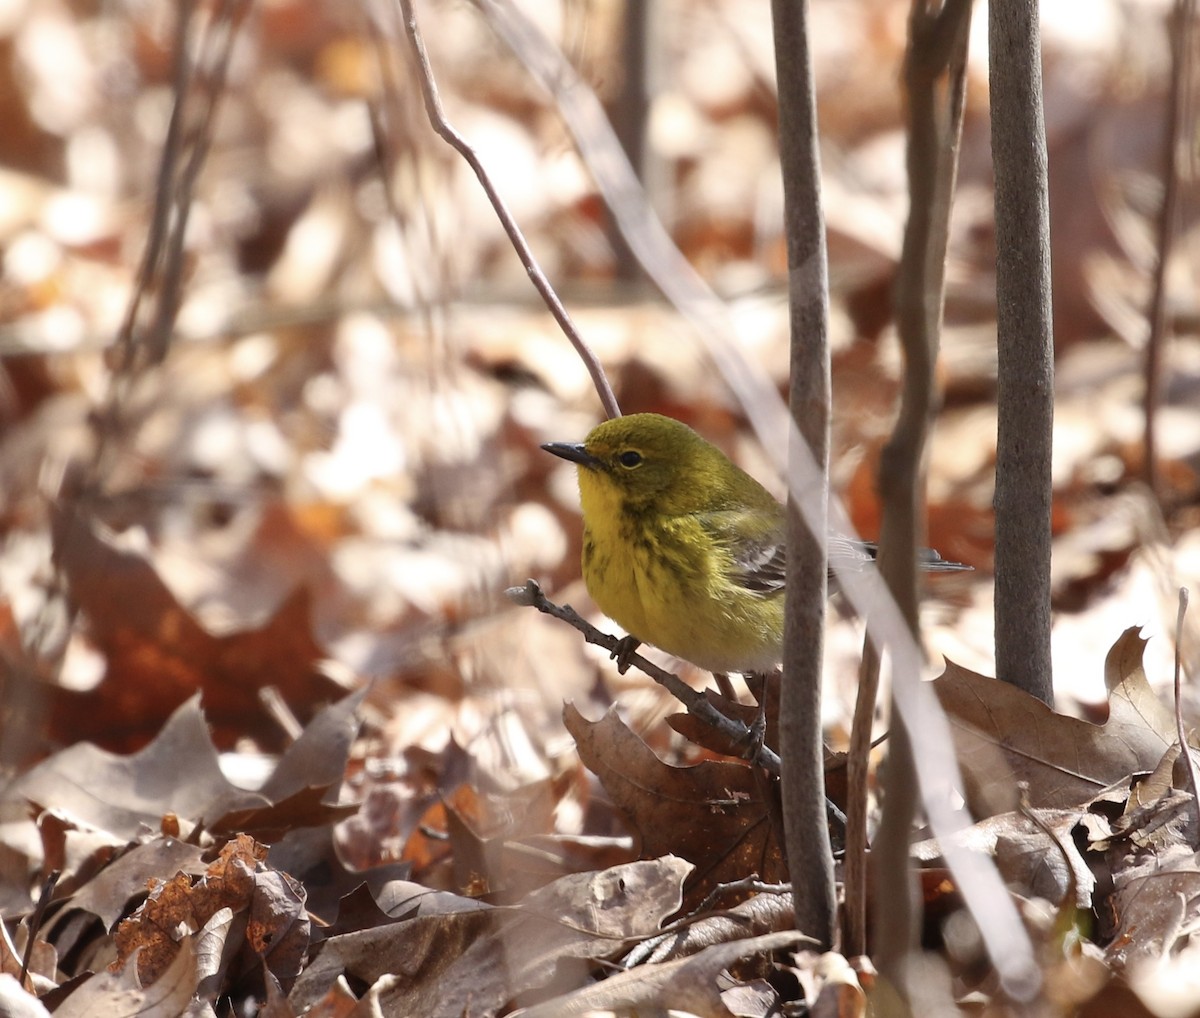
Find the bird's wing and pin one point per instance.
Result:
(757, 550)
(755, 543)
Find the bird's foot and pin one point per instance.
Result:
(624, 650)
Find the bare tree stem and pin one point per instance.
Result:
(810, 859)
(1025, 346)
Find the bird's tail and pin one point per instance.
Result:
(848, 554)
(930, 561)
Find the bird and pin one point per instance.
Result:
(685, 550)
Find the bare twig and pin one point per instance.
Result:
(172, 152)
(696, 703)
(1178, 121)
(162, 263)
(854, 934)
(1070, 899)
(437, 118)
(144, 338)
(280, 712)
(705, 926)
(34, 925)
(937, 50)
(631, 113)
(216, 50)
(751, 884)
(1184, 749)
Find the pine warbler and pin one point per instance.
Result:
(684, 549)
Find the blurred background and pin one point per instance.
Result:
(313, 458)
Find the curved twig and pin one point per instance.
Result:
(443, 127)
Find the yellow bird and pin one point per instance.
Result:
(684, 549)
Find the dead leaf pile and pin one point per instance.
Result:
(271, 740)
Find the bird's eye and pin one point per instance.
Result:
(630, 458)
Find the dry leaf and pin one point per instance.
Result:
(477, 958)
(1003, 735)
(713, 814)
(688, 985)
(159, 655)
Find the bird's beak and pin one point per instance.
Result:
(576, 452)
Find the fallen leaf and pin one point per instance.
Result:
(476, 959)
(713, 814)
(122, 993)
(1027, 858)
(690, 985)
(1003, 736)
(126, 795)
(158, 655)
(108, 894)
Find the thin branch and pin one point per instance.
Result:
(443, 127)
(696, 703)
(1069, 900)
(631, 114)
(171, 154)
(163, 261)
(139, 345)
(1184, 749)
(584, 116)
(937, 50)
(1178, 121)
(854, 935)
(34, 925)
(394, 94)
(217, 46)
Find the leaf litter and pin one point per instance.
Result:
(264, 713)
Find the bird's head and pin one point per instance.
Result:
(641, 460)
